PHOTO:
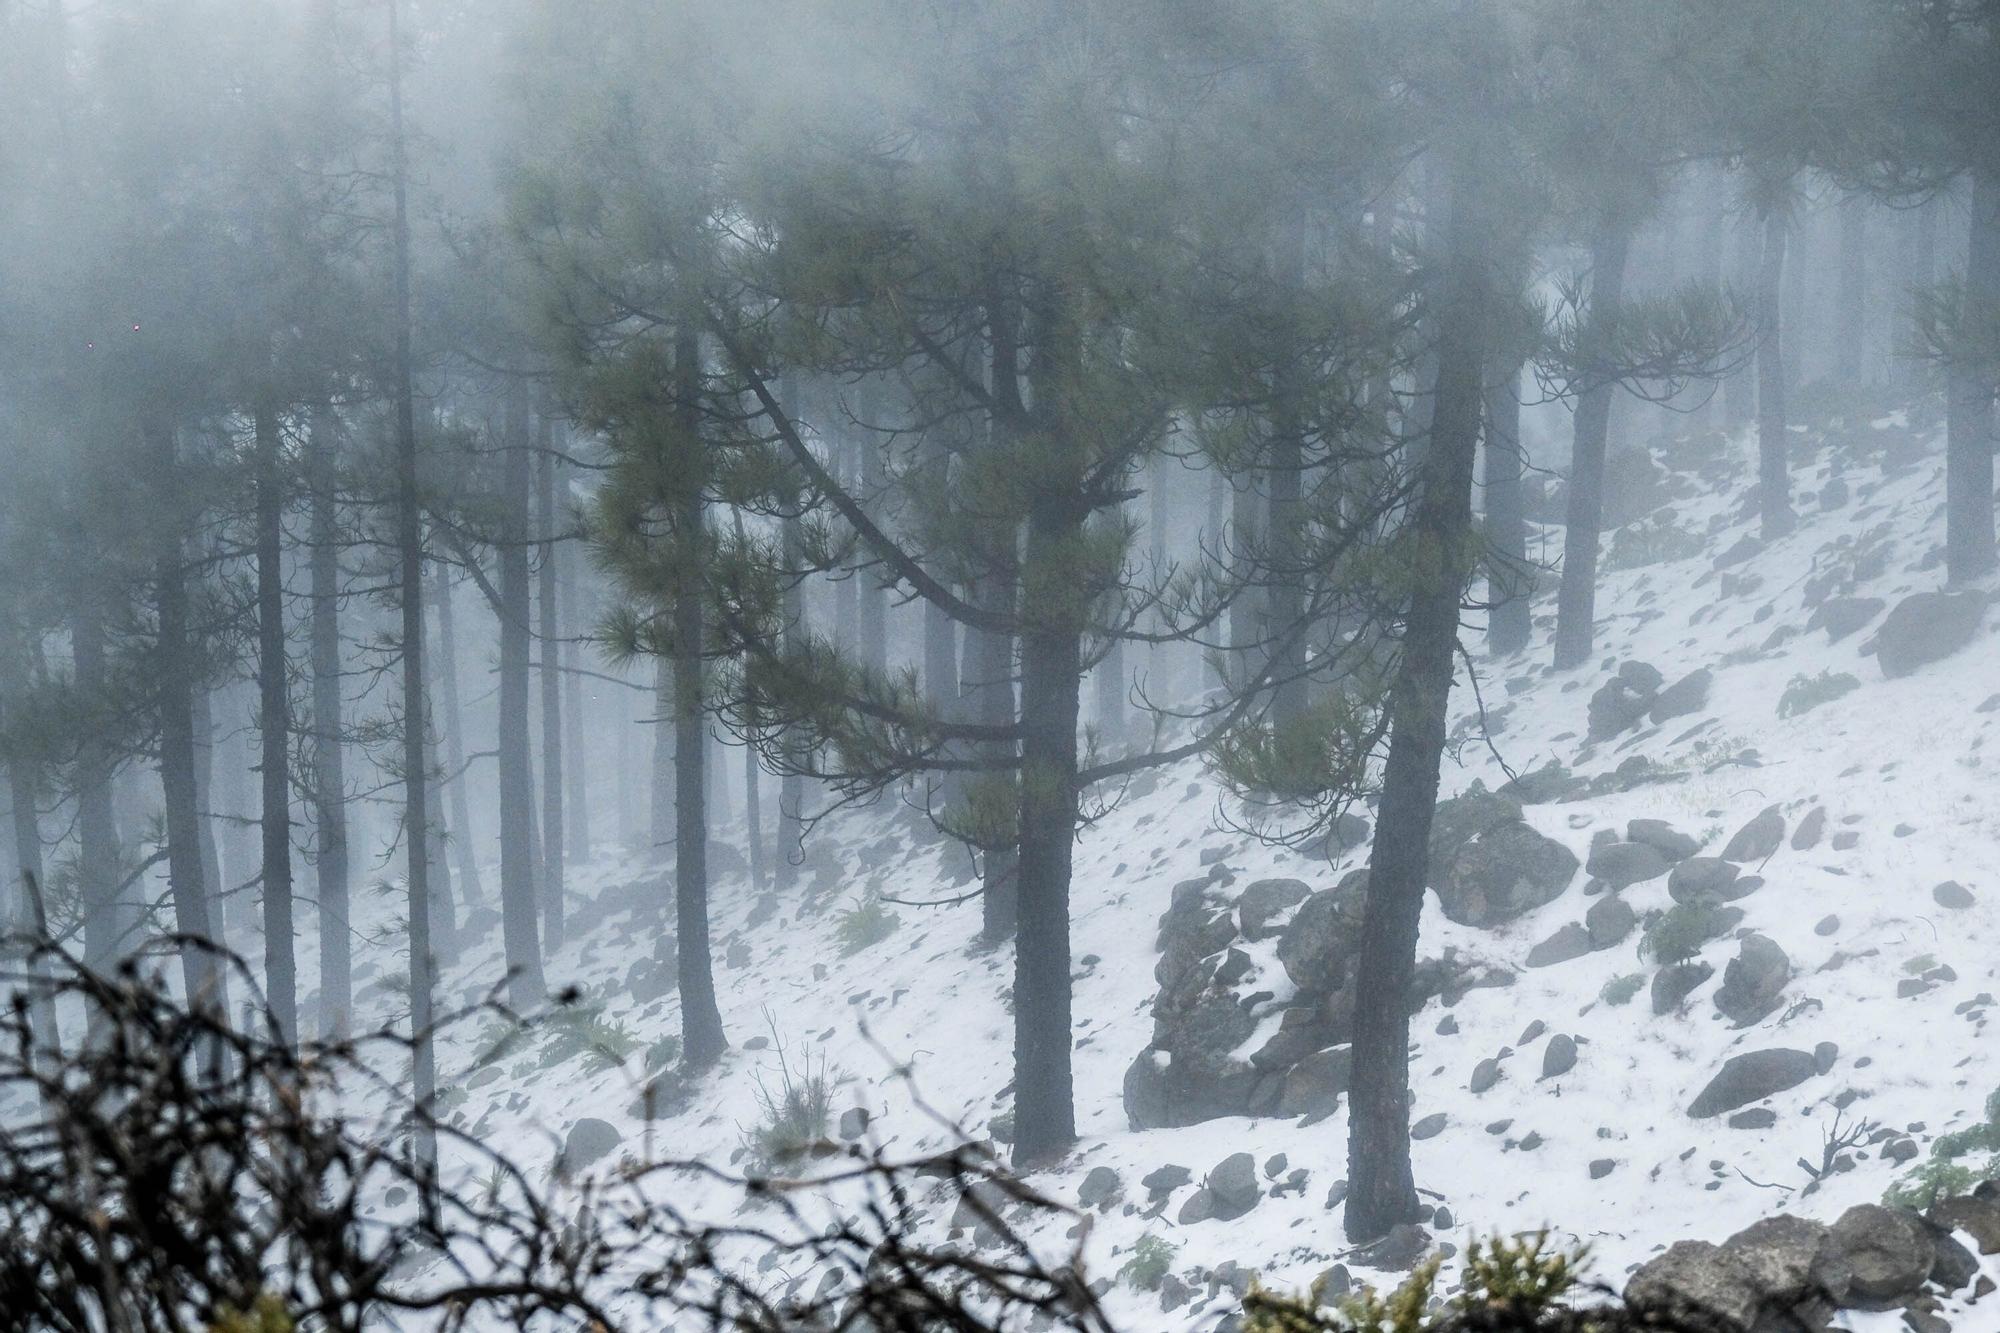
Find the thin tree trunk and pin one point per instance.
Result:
(204, 774)
(873, 593)
(274, 730)
(1285, 520)
(1852, 328)
(554, 843)
(792, 786)
(1739, 391)
(329, 780)
(410, 560)
(109, 924)
(1576, 597)
(519, 872)
(663, 755)
(1969, 421)
(1774, 497)
(987, 683)
(1111, 685)
(1510, 580)
(28, 923)
(471, 891)
(1382, 1189)
(847, 590)
(702, 1039)
(1714, 235)
(576, 822)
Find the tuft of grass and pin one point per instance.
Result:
(1806, 693)
(1151, 1260)
(1619, 990)
(792, 1120)
(864, 925)
(583, 1031)
(1677, 934)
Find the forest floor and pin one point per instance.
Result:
(914, 1027)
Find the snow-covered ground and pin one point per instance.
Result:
(1899, 763)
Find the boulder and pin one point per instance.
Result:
(1952, 896)
(1164, 1180)
(1686, 695)
(1429, 1127)
(853, 1123)
(1695, 1278)
(1796, 1267)
(1398, 1252)
(1976, 1217)
(1754, 980)
(1570, 942)
(1101, 1186)
(1233, 1185)
(1464, 817)
(1810, 830)
(1503, 871)
(1842, 616)
(1889, 1251)
(1751, 1077)
(1702, 877)
(1758, 839)
(1484, 1075)
(1609, 920)
(588, 1140)
(1672, 985)
(1265, 899)
(1623, 701)
(1620, 864)
(1559, 1056)
(1658, 833)
(1926, 627)
(1315, 1085)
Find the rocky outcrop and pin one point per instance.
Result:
(1502, 871)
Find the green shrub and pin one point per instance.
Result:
(1518, 1276)
(864, 925)
(1653, 541)
(582, 1030)
(1677, 934)
(1151, 1259)
(1619, 990)
(1958, 1161)
(1806, 693)
(792, 1122)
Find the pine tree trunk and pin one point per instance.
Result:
(1774, 488)
(204, 775)
(109, 925)
(470, 890)
(1852, 332)
(1739, 391)
(554, 842)
(519, 870)
(1576, 597)
(1285, 519)
(702, 1039)
(662, 822)
(874, 595)
(29, 880)
(792, 787)
(1969, 419)
(1112, 684)
(1714, 235)
(274, 732)
(329, 778)
(576, 822)
(1381, 1189)
(1510, 579)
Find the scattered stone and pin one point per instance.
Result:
(1398, 1252)
(1889, 1250)
(1232, 1183)
(1758, 839)
(1826, 925)
(1751, 1077)
(1620, 864)
(1609, 920)
(1810, 830)
(1846, 840)
(853, 1123)
(1825, 1055)
(1686, 695)
(1602, 1167)
(1274, 1165)
(1677, 846)
(588, 1140)
(1264, 899)
(1101, 1186)
(1484, 1075)
(1953, 896)
(1200, 1206)
(1753, 980)
(1164, 1180)
(1672, 985)
(1559, 1056)
(1571, 942)
(1703, 877)
(1757, 1117)
(1502, 872)
(1926, 627)
(1429, 1127)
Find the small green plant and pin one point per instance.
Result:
(267, 1316)
(582, 1030)
(1652, 542)
(1619, 990)
(1958, 1161)
(1677, 934)
(792, 1120)
(1151, 1260)
(500, 1039)
(864, 925)
(662, 1053)
(1519, 1279)
(1806, 693)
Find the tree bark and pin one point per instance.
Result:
(702, 1039)
(662, 812)
(1576, 597)
(576, 820)
(1285, 519)
(554, 841)
(109, 923)
(204, 775)
(1969, 414)
(1739, 391)
(329, 779)
(1510, 580)
(1851, 331)
(1382, 1189)
(1774, 488)
(470, 890)
(274, 731)
(519, 873)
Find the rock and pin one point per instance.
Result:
(1620, 864)
(1164, 1180)
(1429, 1127)
(1799, 1272)
(1233, 1184)
(1758, 839)
(1955, 1266)
(1559, 1056)
(1757, 1117)
(1398, 1252)
(853, 1123)
(1315, 1085)
(1101, 1185)
(1673, 984)
(1623, 701)
(1696, 1278)
(1348, 832)
(1274, 1166)
(588, 1140)
(1953, 896)
(1926, 627)
(1658, 833)
(1609, 920)
(1825, 1055)
(1570, 942)
(1751, 1077)
(1264, 899)
(1842, 616)
(1686, 695)
(1200, 1206)
(1702, 877)
(1826, 925)
(1753, 980)
(1602, 1167)
(1810, 830)
(1460, 819)
(1148, 1103)
(1317, 945)
(1976, 1217)
(1500, 873)
(1890, 1252)
(1484, 1075)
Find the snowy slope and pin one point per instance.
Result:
(1900, 763)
